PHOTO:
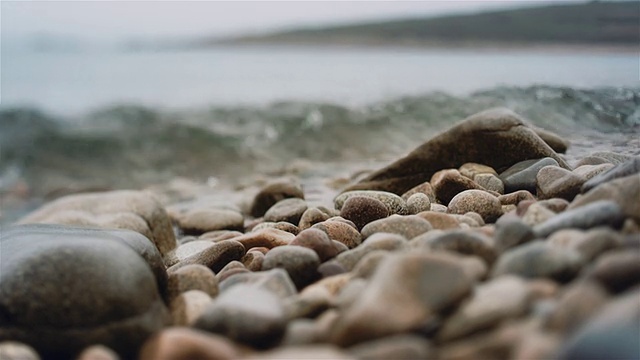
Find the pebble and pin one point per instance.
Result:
(463, 242)
(289, 210)
(522, 176)
(627, 168)
(253, 260)
(617, 270)
(317, 241)
(481, 202)
(556, 182)
(539, 259)
(440, 220)
(424, 188)
(281, 225)
(96, 352)
(438, 208)
(594, 214)
(232, 268)
(314, 215)
(362, 210)
(178, 343)
(394, 203)
(187, 249)
(315, 352)
(470, 170)
(246, 314)
(200, 221)
(556, 205)
(396, 347)
(214, 257)
(408, 226)
(61, 291)
(447, 183)
(511, 232)
(590, 171)
(341, 232)
(577, 304)
(271, 194)
(268, 238)
(490, 182)
(276, 281)
(123, 209)
(405, 292)
(418, 203)
(192, 277)
(589, 244)
(187, 307)
(501, 298)
(300, 263)
(623, 191)
(536, 214)
(516, 197)
(11, 350)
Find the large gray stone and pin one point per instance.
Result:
(510, 138)
(63, 290)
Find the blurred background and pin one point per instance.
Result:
(129, 94)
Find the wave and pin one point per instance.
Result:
(132, 145)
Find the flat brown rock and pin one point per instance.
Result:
(497, 137)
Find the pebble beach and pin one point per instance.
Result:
(484, 242)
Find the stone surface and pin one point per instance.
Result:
(470, 170)
(510, 138)
(394, 203)
(398, 347)
(617, 270)
(556, 182)
(590, 171)
(276, 281)
(200, 221)
(61, 291)
(300, 263)
(490, 182)
(271, 194)
(511, 232)
(424, 188)
(317, 241)
(594, 214)
(315, 352)
(289, 210)
(184, 343)
(246, 314)
(539, 259)
(440, 221)
(624, 191)
(494, 301)
(280, 225)
(313, 216)
(515, 197)
(214, 257)
(405, 292)
(362, 210)
(464, 242)
(252, 260)
(341, 232)
(448, 183)
(192, 277)
(268, 238)
(522, 176)
(418, 203)
(481, 202)
(577, 304)
(124, 209)
(187, 307)
(627, 168)
(536, 214)
(611, 334)
(408, 226)
(96, 352)
(10, 350)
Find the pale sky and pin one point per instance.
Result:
(118, 20)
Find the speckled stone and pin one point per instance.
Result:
(516, 197)
(314, 216)
(470, 170)
(490, 182)
(556, 182)
(200, 221)
(318, 241)
(448, 183)
(522, 176)
(394, 203)
(300, 263)
(418, 203)
(289, 210)
(192, 277)
(268, 238)
(463, 242)
(271, 194)
(362, 210)
(440, 221)
(481, 202)
(598, 213)
(424, 188)
(408, 226)
(341, 232)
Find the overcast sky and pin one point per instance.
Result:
(117, 20)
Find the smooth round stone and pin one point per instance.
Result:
(219, 235)
(214, 257)
(577, 304)
(277, 281)
(617, 270)
(424, 188)
(556, 205)
(398, 347)
(590, 171)
(405, 292)
(463, 242)
(368, 264)
(313, 301)
(539, 259)
(200, 221)
(10, 350)
(418, 203)
(300, 263)
(187, 307)
(378, 241)
(394, 203)
(481, 202)
(192, 277)
(596, 241)
(61, 291)
(179, 343)
(537, 214)
(300, 332)
(187, 249)
(231, 269)
(313, 216)
(289, 210)
(556, 182)
(499, 299)
(490, 182)
(598, 213)
(96, 352)
(281, 225)
(268, 238)
(252, 260)
(341, 232)
(522, 176)
(271, 194)
(408, 226)
(611, 334)
(440, 221)
(448, 183)
(246, 314)
(623, 191)
(470, 170)
(331, 268)
(512, 232)
(318, 241)
(629, 167)
(592, 160)
(516, 197)
(137, 211)
(438, 208)
(362, 210)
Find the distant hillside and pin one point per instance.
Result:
(593, 23)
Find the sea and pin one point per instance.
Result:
(75, 119)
